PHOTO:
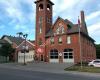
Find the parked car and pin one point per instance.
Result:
(94, 63)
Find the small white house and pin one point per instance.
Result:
(25, 52)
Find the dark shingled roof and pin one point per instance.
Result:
(74, 29)
(42, 0)
(3, 41)
(17, 40)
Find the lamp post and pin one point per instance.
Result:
(25, 36)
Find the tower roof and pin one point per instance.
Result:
(42, 0)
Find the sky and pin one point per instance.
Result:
(19, 16)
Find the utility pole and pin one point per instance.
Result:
(25, 36)
(79, 26)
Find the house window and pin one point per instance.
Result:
(60, 40)
(25, 49)
(63, 30)
(60, 30)
(68, 40)
(57, 31)
(52, 40)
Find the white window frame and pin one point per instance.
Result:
(68, 40)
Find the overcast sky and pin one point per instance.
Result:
(19, 15)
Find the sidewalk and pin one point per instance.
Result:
(47, 67)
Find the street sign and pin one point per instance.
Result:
(60, 54)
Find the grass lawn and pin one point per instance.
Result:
(83, 69)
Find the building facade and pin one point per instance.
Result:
(18, 43)
(62, 41)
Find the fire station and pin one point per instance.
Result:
(61, 41)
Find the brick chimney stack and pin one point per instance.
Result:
(82, 17)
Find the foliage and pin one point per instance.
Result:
(83, 69)
(6, 50)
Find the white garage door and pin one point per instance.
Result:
(68, 56)
(54, 56)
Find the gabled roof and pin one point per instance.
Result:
(28, 43)
(66, 21)
(17, 40)
(74, 28)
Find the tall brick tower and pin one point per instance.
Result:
(43, 24)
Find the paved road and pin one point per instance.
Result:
(43, 67)
(15, 74)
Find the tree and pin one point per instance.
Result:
(98, 50)
(20, 34)
(6, 50)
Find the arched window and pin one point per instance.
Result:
(40, 28)
(60, 30)
(48, 7)
(40, 19)
(40, 7)
(54, 54)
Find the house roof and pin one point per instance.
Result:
(17, 40)
(27, 43)
(3, 41)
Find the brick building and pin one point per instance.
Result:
(62, 40)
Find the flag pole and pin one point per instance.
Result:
(79, 26)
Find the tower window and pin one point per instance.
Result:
(40, 19)
(48, 7)
(40, 28)
(40, 7)
(48, 20)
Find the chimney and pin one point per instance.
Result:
(82, 17)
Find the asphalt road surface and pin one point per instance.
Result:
(14, 74)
